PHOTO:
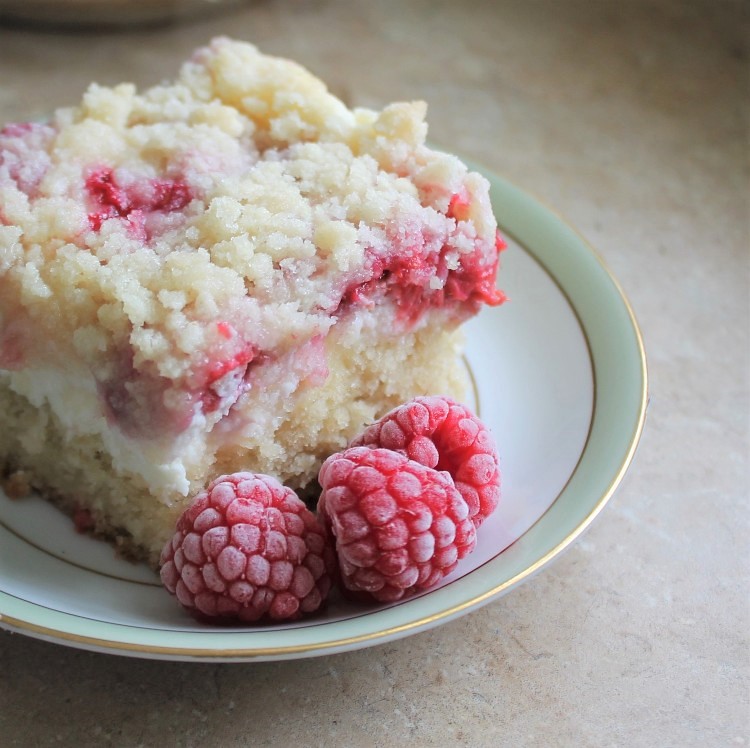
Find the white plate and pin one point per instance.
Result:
(560, 378)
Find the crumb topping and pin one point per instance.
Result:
(168, 240)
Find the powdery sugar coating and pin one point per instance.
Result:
(248, 549)
(443, 434)
(399, 526)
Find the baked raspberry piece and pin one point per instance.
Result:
(400, 527)
(248, 549)
(443, 434)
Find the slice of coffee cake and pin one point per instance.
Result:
(230, 272)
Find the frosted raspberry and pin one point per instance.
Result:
(400, 527)
(248, 549)
(442, 434)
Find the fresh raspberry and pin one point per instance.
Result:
(400, 527)
(248, 549)
(442, 434)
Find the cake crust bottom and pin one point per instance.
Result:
(21, 484)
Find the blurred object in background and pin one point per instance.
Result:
(97, 13)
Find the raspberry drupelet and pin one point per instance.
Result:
(400, 527)
(248, 549)
(443, 434)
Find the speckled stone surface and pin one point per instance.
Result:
(632, 120)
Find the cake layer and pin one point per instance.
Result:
(85, 476)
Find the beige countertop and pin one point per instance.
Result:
(631, 119)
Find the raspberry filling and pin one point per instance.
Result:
(134, 202)
(143, 404)
(134, 401)
(405, 277)
(458, 207)
(23, 154)
(224, 379)
(472, 282)
(14, 339)
(83, 520)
